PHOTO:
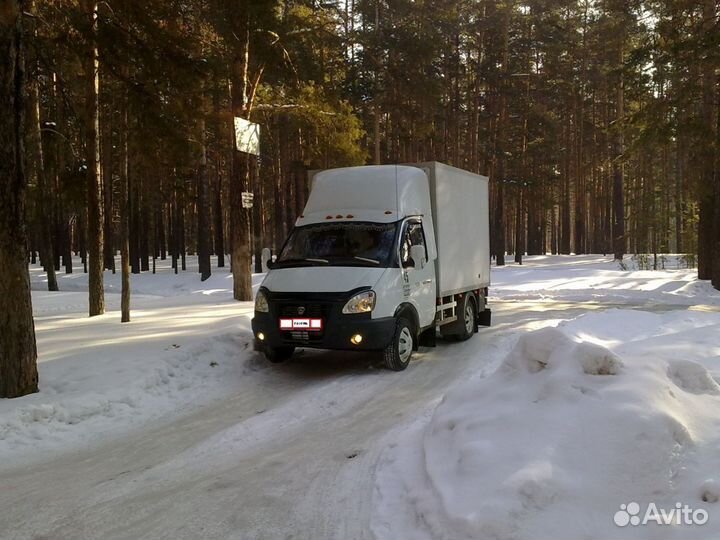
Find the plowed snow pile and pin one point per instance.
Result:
(608, 409)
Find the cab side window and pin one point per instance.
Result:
(413, 236)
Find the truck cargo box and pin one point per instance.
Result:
(460, 210)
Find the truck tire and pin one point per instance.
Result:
(278, 354)
(397, 354)
(469, 318)
(464, 327)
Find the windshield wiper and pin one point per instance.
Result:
(374, 261)
(300, 260)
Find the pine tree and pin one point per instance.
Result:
(91, 75)
(18, 354)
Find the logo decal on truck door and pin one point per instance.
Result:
(406, 284)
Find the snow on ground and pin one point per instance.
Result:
(165, 282)
(542, 440)
(586, 278)
(610, 408)
(188, 344)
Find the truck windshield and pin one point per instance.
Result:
(340, 244)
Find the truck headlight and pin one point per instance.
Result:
(261, 303)
(363, 302)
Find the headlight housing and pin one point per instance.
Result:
(261, 303)
(363, 302)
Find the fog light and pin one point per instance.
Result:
(261, 336)
(356, 339)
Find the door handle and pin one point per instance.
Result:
(427, 281)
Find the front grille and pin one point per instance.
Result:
(310, 310)
(316, 306)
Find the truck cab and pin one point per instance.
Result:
(359, 271)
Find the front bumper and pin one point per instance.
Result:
(337, 330)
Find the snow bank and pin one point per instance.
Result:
(189, 343)
(82, 403)
(585, 278)
(608, 409)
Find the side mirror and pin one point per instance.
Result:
(417, 254)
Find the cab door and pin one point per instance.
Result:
(418, 279)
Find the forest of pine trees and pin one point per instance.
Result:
(596, 121)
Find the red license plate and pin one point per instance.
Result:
(301, 323)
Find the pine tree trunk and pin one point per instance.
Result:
(716, 216)
(239, 216)
(376, 134)
(564, 233)
(63, 222)
(182, 247)
(300, 175)
(679, 245)
(219, 222)
(500, 144)
(144, 238)
(95, 231)
(715, 246)
(67, 245)
(278, 191)
(240, 230)
(257, 216)
(715, 243)
(172, 228)
(519, 227)
(203, 211)
(36, 174)
(580, 208)
(106, 158)
(618, 221)
(124, 208)
(134, 214)
(162, 217)
(707, 232)
(18, 353)
(554, 231)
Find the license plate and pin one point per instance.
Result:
(313, 325)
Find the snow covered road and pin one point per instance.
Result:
(264, 452)
(291, 455)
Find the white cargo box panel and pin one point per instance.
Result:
(462, 227)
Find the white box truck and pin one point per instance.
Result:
(381, 258)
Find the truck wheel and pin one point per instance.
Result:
(278, 354)
(469, 318)
(397, 354)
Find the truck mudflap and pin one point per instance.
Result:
(484, 317)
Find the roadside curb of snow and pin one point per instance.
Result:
(179, 379)
(565, 432)
(399, 500)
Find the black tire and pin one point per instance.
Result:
(398, 353)
(468, 314)
(278, 354)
